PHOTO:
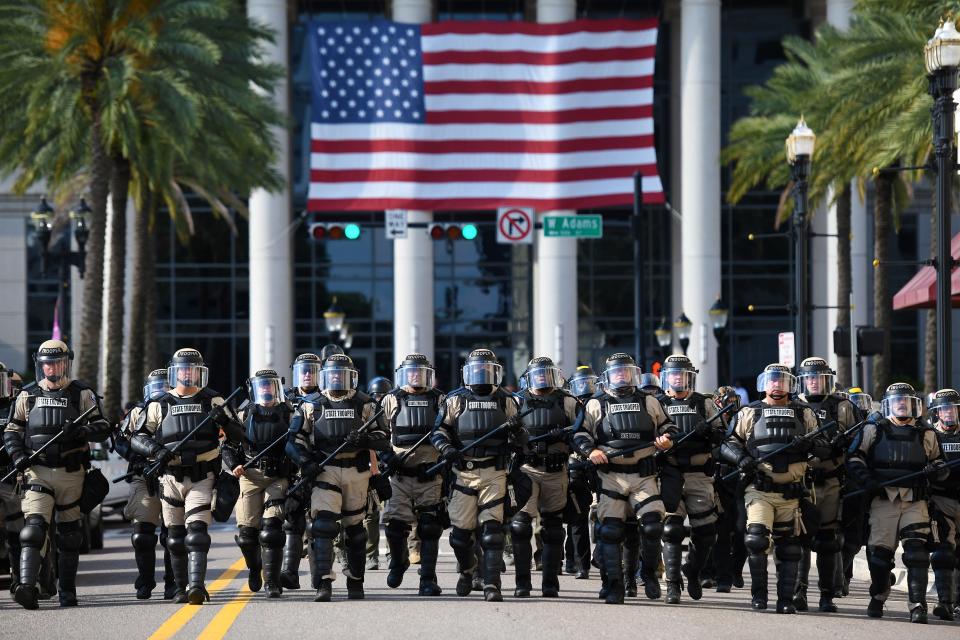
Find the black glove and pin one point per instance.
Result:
(802, 445)
(556, 435)
(71, 430)
(747, 464)
(22, 463)
(391, 462)
(155, 469)
(705, 429)
(933, 469)
(358, 439)
(515, 422)
(309, 470)
(450, 454)
(875, 417)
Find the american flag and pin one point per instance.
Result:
(476, 115)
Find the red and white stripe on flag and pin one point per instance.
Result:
(551, 116)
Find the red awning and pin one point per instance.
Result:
(921, 291)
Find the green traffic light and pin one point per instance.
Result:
(469, 231)
(352, 231)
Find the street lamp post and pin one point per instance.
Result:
(334, 318)
(941, 59)
(62, 256)
(664, 337)
(683, 327)
(719, 315)
(800, 145)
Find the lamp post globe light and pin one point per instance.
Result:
(664, 336)
(719, 315)
(941, 57)
(334, 318)
(683, 326)
(800, 145)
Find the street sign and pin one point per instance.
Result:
(395, 223)
(585, 226)
(515, 225)
(788, 353)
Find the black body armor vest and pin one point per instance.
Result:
(481, 415)
(687, 414)
(47, 412)
(547, 414)
(416, 416)
(624, 421)
(180, 416)
(950, 445)
(333, 420)
(897, 451)
(773, 428)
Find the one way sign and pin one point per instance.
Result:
(515, 225)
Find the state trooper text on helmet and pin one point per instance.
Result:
(583, 382)
(52, 361)
(266, 388)
(415, 371)
(186, 369)
(482, 369)
(776, 381)
(621, 372)
(338, 374)
(900, 400)
(863, 401)
(542, 373)
(306, 370)
(945, 408)
(378, 387)
(6, 384)
(678, 374)
(816, 377)
(155, 385)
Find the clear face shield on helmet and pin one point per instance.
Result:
(678, 380)
(863, 401)
(6, 385)
(187, 376)
(306, 374)
(544, 378)
(338, 379)
(903, 406)
(946, 414)
(153, 389)
(622, 376)
(482, 373)
(266, 391)
(416, 376)
(53, 368)
(816, 384)
(777, 383)
(584, 385)
(649, 382)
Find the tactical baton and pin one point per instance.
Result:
(909, 476)
(335, 453)
(409, 452)
(432, 470)
(783, 448)
(33, 456)
(690, 434)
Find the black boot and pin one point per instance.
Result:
(461, 540)
(650, 551)
(144, 541)
(702, 540)
(758, 580)
(321, 560)
(880, 562)
(788, 552)
(803, 575)
(916, 557)
(553, 536)
(521, 534)
(827, 570)
(32, 537)
(13, 555)
(271, 553)
(247, 540)
(198, 545)
(68, 561)
(355, 539)
(611, 567)
(169, 583)
(631, 565)
(292, 553)
(943, 562)
(429, 550)
(671, 565)
(177, 545)
(491, 541)
(397, 532)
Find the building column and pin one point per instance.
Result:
(672, 307)
(555, 329)
(413, 311)
(271, 258)
(700, 177)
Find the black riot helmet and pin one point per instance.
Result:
(945, 408)
(187, 369)
(482, 372)
(543, 374)
(330, 350)
(901, 401)
(816, 378)
(583, 382)
(338, 373)
(306, 371)
(155, 385)
(678, 374)
(52, 361)
(378, 387)
(621, 372)
(416, 372)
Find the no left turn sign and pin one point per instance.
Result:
(515, 225)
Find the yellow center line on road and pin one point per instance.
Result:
(185, 613)
(227, 615)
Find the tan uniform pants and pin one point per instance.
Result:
(187, 501)
(261, 497)
(549, 491)
(478, 496)
(11, 513)
(628, 495)
(341, 491)
(141, 506)
(699, 501)
(946, 516)
(889, 518)
(779, 515)
(49, 488)
(827, 498)
(410, 496)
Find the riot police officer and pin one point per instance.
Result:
(854, 509)
(54, 480)
(773, 495)
(553, 411)
(686, 478)
(729, 553)
(582, 385)
(11, 514)
(816, 383)
(945, 501)
(886, 450)
(621, 418)
(417, 501)
(650, 384)
(329, 419)
(188, 475)
(376, 389)
(480, 489)
(263, 486)
(143, 505)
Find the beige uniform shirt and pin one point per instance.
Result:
(744, 430)
(309, 412)
(591, 422)
(152, 416)
(869, 435)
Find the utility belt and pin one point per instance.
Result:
(419, 472)
(551, 463)
(788, 490)
(706, 468)
(73, 461)
(820, 476)
(643, 468)
(471, 464)
(272, 467)
(196, 472)
(360, 461)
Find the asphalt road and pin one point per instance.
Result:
(109, 610)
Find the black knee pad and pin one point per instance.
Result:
(521, 527)
(673, 530)
(429, 527)
(788, 549)
(163, 535)
(552, 531)
(631, 534)
(396, 529)
(915, 553)
(144, 536)
(197, 537)
(943, 558)
(69, 536)
(461, 538)
(295, 522)
(271, 536)
(247, 537)
(652, 526)
(34, 532)
(324, 528)
(491, 535)
(704, 531)
(826, 541)
(880, 558)
(757, 538)
(176, 539)
(612, 531)
(355, 535)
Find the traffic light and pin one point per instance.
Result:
(333, 231)
(453, 231)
